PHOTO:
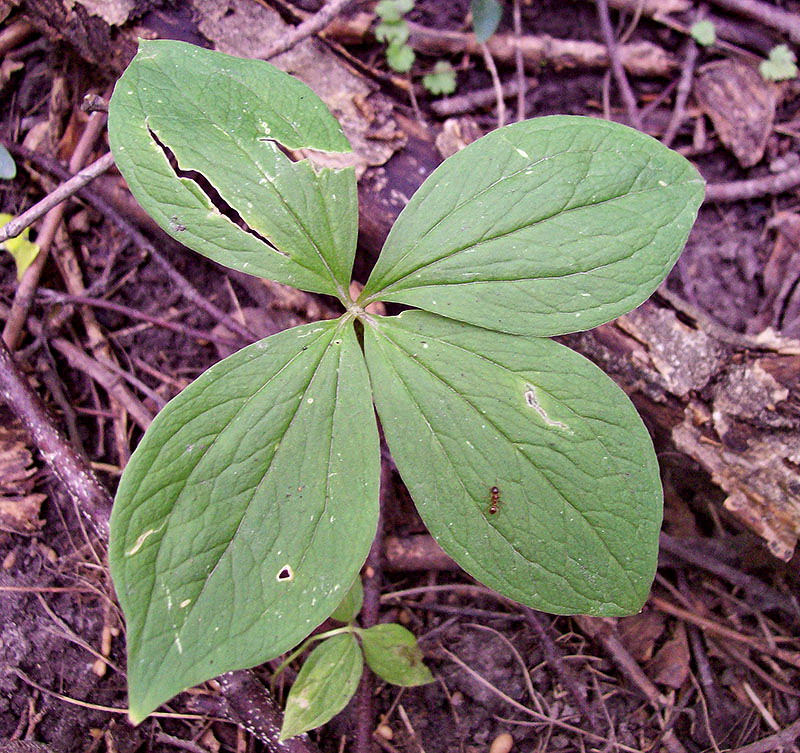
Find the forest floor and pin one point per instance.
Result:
(712, 663)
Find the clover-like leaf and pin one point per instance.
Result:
(326, 682)
(578, 502)
(200, 137)
(226, 535)
(543, 227)
(781, 64)
(393, 654)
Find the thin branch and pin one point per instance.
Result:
(519, 62)
(310, 26)
(739, 190)
(617, 68)
(767, 14)
(682, 93)
(70, 468)
(61, 194)
(498, 87)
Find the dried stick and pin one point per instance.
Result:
(476, 99)
(739, 190)
(498, 87)
(101, 303)
(255, 710)
(310, 26)
(62, 193)
(767, 14)
(682, 93)
(616, 65)
(519, 62)
(778, 741)
(70, 468)
(372, 580)
(13, 35)
(555, 661)
(23, 299)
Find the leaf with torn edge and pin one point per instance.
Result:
(211, 170)
(543, 227)
(578, 506)
(226, 534)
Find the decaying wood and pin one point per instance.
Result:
(731, 407)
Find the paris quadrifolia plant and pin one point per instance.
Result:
(248, 508)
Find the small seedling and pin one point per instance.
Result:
(331, 673)
(704, 33)
(781, 64)
(441, 80)
(393, 30)
(248, 508)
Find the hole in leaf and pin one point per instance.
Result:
(213, 195)
(285, 574)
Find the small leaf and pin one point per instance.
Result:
(393, 10)
(226, 534)
(486, 16)
(8, 168)
(781, 64)
(23, 250)
(540, 228)
(234, 196)
(400, 57)
(704, 33)
(578, 503)
(394, 33)
(348, 610)
(442, 80)
(392, 653)
(326, 682)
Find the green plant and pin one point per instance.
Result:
(781, 64)
(393, 30)
(704, 33)
(331, 672)
(248, 508)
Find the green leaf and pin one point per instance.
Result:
(8, 168)
(781, 64)
(326, 682)
(23, 250)
(393, 10)
(229, 120)
(226, 534)
(704, 33)
(543, 227)
(348, 610)
(442, 80)
(393, 654)
(486, 16)
(400, 57)
(393, 33)
(579, 505)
